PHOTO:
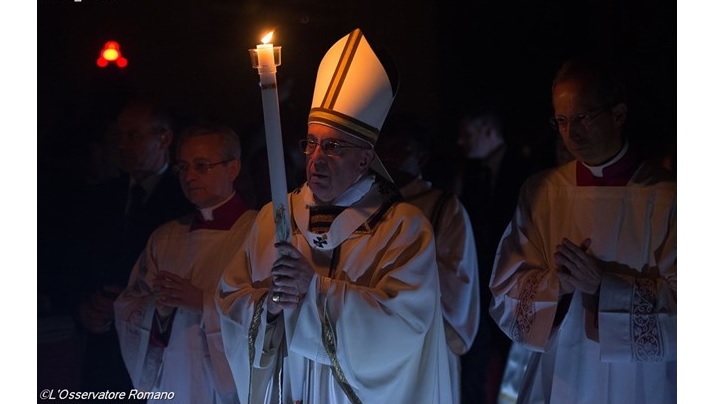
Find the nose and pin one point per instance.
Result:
(317, 153)
(572, 128)
(188, 175)
(317, 160)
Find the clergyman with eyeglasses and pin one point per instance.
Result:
(585, 275)
(166, 317)
(348, 310)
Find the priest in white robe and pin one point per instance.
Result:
(348, 310)
(166, 318)
(404, 149)
(586, 273)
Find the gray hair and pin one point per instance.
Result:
(231, 147)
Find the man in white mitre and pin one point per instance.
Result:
(348, 310)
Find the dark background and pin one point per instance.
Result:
(193, 54)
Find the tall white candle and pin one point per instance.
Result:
(273, 131)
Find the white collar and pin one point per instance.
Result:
(597, 171)
(354, 193)
(207, 213)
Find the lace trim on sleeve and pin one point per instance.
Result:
(645, 328)
(526, 314)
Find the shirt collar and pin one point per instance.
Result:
(617, 172)
(597, 171)
(221, 216)
(150, 183)
(354, 193)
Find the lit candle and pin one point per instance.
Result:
(263, 59)
(265, 52)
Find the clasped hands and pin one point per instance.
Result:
(172, 291)
(577, 269)
(291, 276)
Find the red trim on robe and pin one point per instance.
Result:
(224, 215)
(159, 335)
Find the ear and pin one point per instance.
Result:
(365, 159)
(235, 167)
(619, 113)
(166, 138)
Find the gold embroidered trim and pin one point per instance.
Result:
(329, 339)
(253, 331)
(345, 61)
(346, 123)
(322, 217)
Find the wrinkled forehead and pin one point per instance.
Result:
(579, 86)
(576, 92)
(321, 131)
(205, 140)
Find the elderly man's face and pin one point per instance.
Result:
(142, 147)
(205, 173)
(329, 176)
(590, 131)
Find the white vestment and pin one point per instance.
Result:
(193, 365)
(368, 330)
(458, 269)
(622, 347)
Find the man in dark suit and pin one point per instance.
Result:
(491, 172)
(120, 215)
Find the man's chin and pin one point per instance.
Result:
(319, 190)
(317, 185)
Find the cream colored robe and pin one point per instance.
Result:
(458, 270)
(622, 348)
(368, 331)
(193, 365)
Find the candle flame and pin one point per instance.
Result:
(267, 38)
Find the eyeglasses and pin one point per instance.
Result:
(560, 122)
(329, 147)
(200, 167)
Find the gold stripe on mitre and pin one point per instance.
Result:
(344, 123)
(343, 65)
(353, 92)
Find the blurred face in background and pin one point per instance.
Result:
(477, 138)
(143, 148)
(206, 173)
(401, 157)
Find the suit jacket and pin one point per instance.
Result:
(113, 246)
(107, 256)
(490, 210)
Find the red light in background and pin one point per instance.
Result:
(111, 53)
